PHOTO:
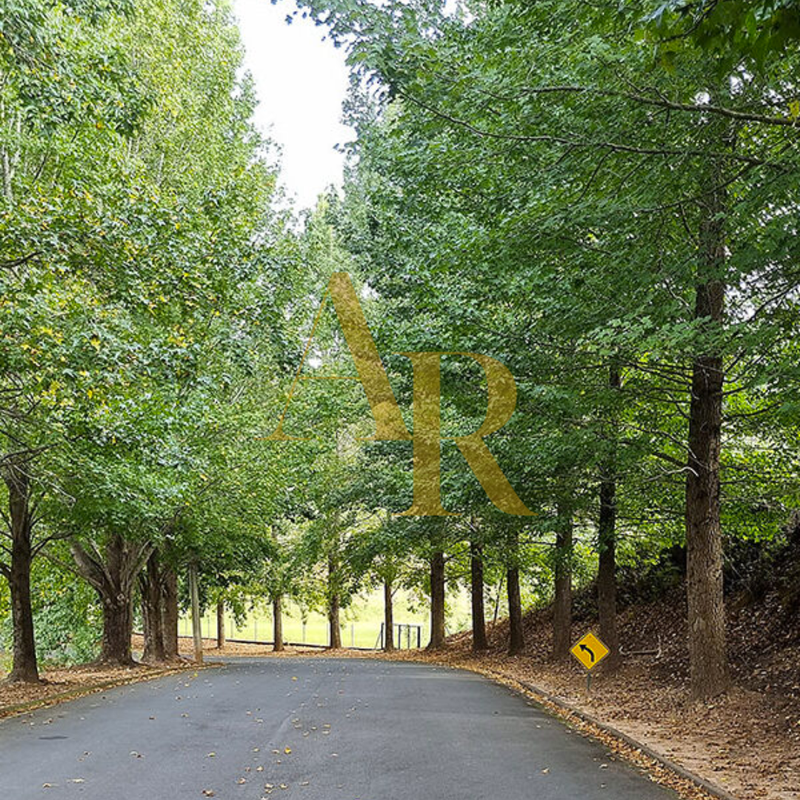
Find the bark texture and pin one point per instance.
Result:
(607, 545)
(150, 587)
(334, 604)
(277, 623)
(18, 571)
(562, 603)
(220, 624)
(117, 630)
(437, 641)
(194, 593)
(516, 643)
(479, 641)
(170, 613)
(388, 617)
(112, 570)
(707, 655)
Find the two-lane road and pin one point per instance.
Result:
(311, 729)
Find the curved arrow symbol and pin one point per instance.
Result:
(591, 654)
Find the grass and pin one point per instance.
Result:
(361, 621)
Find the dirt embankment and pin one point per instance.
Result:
(747, 741)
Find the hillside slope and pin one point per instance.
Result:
(747, 740)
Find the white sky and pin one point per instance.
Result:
(301, 82)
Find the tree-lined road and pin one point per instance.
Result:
(318, 728)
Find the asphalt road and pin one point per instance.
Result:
(316, 729)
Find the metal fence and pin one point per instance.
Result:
(313, 633)
(397, 638)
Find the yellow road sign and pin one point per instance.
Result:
(590, 651)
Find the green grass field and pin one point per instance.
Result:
(361, 622)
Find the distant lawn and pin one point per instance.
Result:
(361, 622)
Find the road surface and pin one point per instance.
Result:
(312, 729)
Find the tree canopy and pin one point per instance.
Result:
(601, 197)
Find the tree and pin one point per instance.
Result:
(479, 641)
(607, 541)
(18, 571)
(735, 32)
(52, 96)
(137, 260)
(623, 255)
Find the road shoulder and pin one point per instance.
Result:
(69, 683)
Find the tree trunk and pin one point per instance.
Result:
(706, 618)
(496, 611)
(562, 603)
(117, 630)
(113, 575)
(220, 624)
(437, 641)
(24, 667)
(117, 616)
(334, 626)
(194, 594)
(516, 642)
(335, 629)
(479, 641)
(170, 615)
(707, 655)
(607, 572)
(277, 623)
(607, 546)
(152, 614)
(388, 617)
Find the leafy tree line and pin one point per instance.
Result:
(603, 197)
(144, 267)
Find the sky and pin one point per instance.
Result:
(301, 82)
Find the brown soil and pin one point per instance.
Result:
(746, 741)
(740, 742)
(211, 651)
